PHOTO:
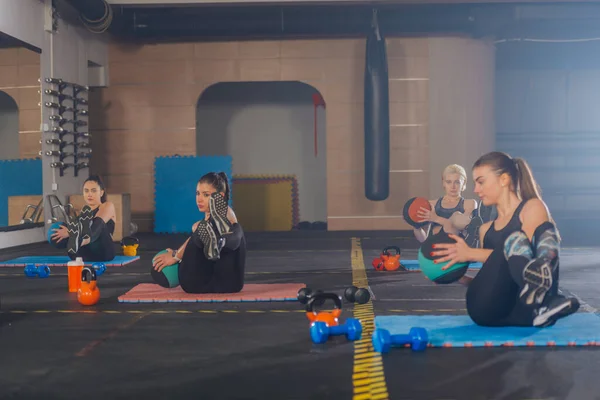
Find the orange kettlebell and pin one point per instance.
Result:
(88, 293)
(329, 318)
(378, 263)
(391, 262)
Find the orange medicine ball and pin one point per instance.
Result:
(411, 211)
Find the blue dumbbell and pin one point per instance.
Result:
(320, 331)
(99, 268)
(383, 340)
(31, 271)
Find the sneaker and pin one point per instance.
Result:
(204, 236)
(74, 229)
(220, 239)
(85, 218)
(556, 308)
(218, 212)
(537, 277)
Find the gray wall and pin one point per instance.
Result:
(547, 112)
(268, 128)
(9, 127)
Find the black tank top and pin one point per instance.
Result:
(494, 238)
(447, 212)
(110, 224)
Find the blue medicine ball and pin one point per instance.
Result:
(63, 243)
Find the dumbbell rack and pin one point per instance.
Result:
(59, 92)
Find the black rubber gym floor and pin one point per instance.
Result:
(51, 347)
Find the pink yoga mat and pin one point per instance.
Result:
(153, 293)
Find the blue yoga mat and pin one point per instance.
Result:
(61, 261)
(413, 265)
(459, 331)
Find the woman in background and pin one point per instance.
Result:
(452, 212)
(90, 235)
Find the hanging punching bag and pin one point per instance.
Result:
(377, 117)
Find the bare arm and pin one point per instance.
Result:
(106, 211)
(164, 260)
(422, 233)
(181, 249)
(466, 280)
(461, 220)
(457, 221)
(231, 216)
(533, 215)
(446, 224)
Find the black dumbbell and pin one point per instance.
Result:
(305, 294)
(356, 295)
(383, 340)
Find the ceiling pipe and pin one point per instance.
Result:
(289, 22)
(93, 10)
(204, 23)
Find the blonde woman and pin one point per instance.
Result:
(451, 211)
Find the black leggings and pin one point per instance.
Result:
(197, 274)
(493, 295)
(101, 248)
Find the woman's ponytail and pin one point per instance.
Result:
(527, 187)
(225, 185)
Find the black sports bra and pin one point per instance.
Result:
(494, 238)
(447, 212)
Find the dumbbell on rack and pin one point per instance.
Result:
(417, 339)
(41, 271)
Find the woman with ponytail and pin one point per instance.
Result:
(518, 282)
(214, 260)
(90, 235)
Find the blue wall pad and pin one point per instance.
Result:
(175, 189)
(460, 331)
(18, 178)
(61, 261)
(413, 265)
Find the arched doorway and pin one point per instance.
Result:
(9, 127)
(270, 129)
